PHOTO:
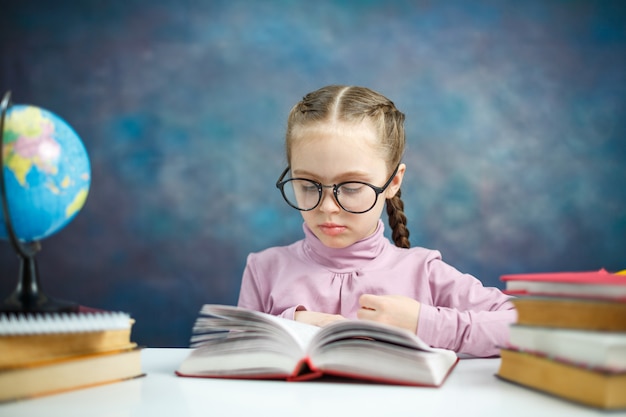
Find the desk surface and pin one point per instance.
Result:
(471, 390)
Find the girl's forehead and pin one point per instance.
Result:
(330, 151)
(346, 143)
(338, 127)
(356, 137)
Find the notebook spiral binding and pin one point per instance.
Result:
(26, 324)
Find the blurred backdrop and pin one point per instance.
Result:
(516, 126)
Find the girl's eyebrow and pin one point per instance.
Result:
(349, 175)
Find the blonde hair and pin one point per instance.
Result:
(354, 104)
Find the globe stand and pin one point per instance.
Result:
(27, 296)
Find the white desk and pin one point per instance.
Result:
(471, 390)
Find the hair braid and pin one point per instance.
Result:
(397, 221)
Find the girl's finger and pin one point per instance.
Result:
(369, 301)
(366, 314)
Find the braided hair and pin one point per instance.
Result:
(353, 104)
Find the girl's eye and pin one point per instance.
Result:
(307, 187)
(351, 188)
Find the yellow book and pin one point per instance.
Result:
(31, 339)
(571, 313)
(597, 388)
(69, 374)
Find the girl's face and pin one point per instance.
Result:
(336, 152)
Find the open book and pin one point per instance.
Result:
(231, 342)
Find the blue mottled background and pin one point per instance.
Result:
(516, 126)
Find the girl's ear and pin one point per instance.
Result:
(396, 182)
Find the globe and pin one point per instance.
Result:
(46, 172)
(44, 181)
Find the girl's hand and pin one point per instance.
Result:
(316, 319)
(396, 310)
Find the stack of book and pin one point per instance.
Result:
(47, 353)
(570, 336)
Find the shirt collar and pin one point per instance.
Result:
(345, 259)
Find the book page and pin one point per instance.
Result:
(374, 351)
(253, 324)
(349, 329)
(302, 333)
(230, 341)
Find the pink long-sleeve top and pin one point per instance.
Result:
(457, 312)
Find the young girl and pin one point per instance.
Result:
(344, 149)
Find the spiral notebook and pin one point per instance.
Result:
(30, 324)
(33, 339)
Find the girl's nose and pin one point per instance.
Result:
(328, 203)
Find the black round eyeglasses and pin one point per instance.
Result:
(352, 196)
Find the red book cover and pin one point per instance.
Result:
(585, 284)
(601, 277)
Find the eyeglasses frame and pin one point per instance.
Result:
(280, 184)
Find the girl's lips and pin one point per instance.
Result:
(331, 229)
